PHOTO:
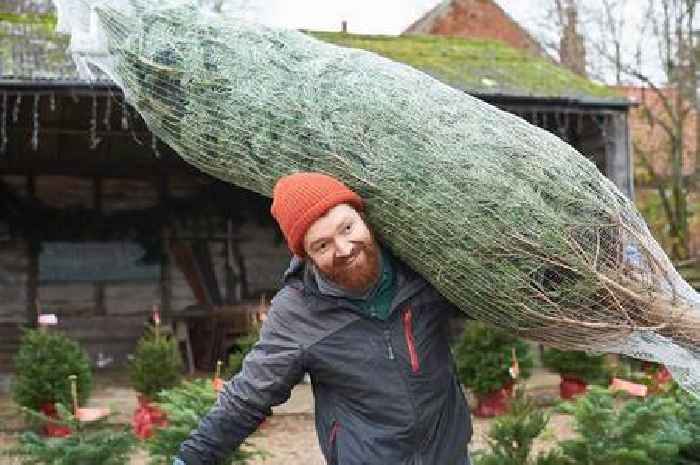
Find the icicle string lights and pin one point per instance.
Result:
(15, 110)
(94, 140)
(35, 123)
(107, 120)
(125, 119)
(154, 145)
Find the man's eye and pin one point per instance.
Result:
(321, 246)
(348, 227)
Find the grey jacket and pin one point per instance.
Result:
(385, 391)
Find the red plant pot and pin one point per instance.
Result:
(509, 386)
(662, 376)
(492, 404)
(51, 429)
(571, 386)
(147, 417)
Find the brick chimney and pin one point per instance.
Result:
(572, 50)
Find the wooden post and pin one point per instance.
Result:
(618, 153)
(165, 269)
(33, 268)
(100, 307)
(74, 393)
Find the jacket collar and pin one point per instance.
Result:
(301, 275)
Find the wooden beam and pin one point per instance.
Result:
(100, 307)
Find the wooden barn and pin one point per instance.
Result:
(100, 221)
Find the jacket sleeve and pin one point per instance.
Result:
(270, 371)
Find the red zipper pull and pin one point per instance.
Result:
(410, 340)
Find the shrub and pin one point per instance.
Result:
(156, 365)
(639, 432)
(689, 416)
(97, 443)
(590, 368)
(242, 346)
(512, 435)
(185, 405)
(42, 366)
(484, 356)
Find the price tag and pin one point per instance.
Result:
(48, 319)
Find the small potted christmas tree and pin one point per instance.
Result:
(646, 431)
(511, 437)
(92, 441)
(185, 405)
(156, 365)
(489, 360)
(577, 370)
(43, 364)
(243, 345)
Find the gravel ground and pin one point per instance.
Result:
(287, 438)
(291, 440)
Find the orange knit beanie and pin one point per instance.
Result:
(299, 199)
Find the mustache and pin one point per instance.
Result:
(342, 261)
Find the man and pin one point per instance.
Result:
(371, 333)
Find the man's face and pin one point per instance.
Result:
(343, 249)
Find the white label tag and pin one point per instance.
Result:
(48, 319)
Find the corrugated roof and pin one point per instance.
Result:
(31, 50)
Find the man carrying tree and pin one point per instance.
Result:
(371, 333)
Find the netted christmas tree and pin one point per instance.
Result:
(509, 222)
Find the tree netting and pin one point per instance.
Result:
(509, 222)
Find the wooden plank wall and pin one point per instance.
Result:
(108, 317)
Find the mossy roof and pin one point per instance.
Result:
(30, 49)
(478, 66)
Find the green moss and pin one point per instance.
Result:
(476, 65)
(35, 34)
(47, 21)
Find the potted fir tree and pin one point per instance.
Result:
(577, 370)
(185, 405)
(43, 364)
(488, 361)
(156, 365)
(97, 442)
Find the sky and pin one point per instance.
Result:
(394, 16)
(363, 16)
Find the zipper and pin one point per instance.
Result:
(391, 356)
(389, 347)
(410, 340)
(334, 432)
(332, 449)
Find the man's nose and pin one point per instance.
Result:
(343, 247)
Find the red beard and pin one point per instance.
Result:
(358, 271)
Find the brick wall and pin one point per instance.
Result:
(653, 138)
(475, 19)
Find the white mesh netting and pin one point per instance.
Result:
(508, 221)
